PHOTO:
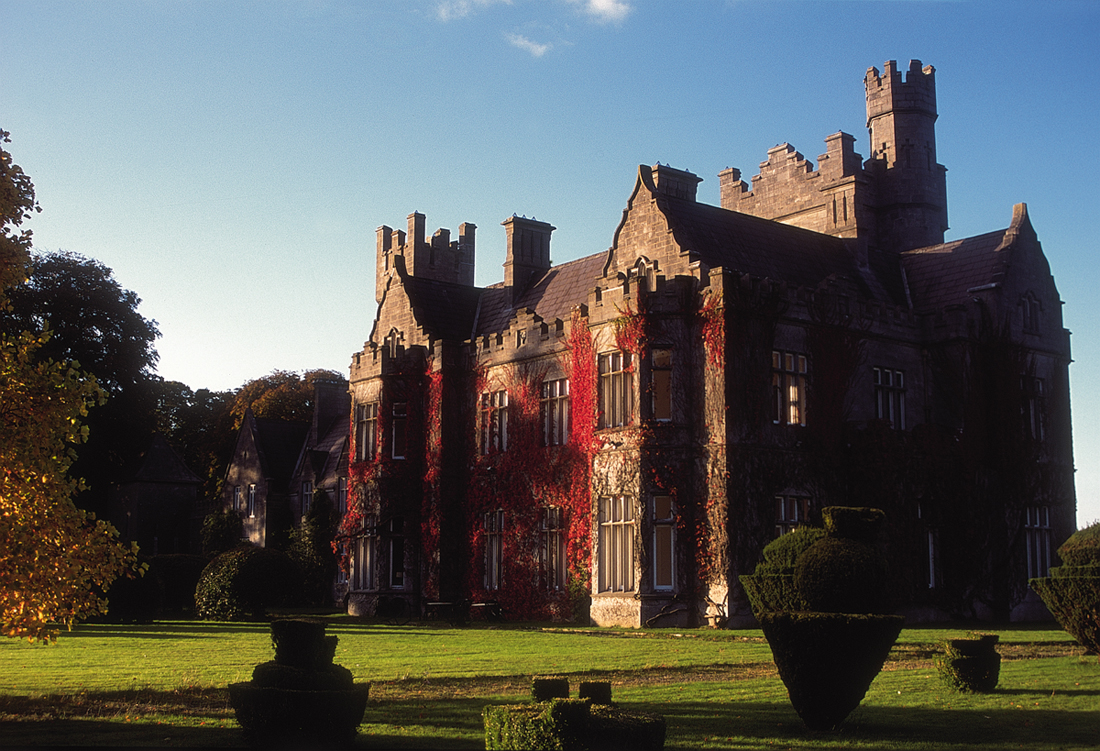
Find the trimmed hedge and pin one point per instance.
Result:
(771, 587)
(244, 582)
(1074, 601)
(1072, 591)
(770, 593)
(859, 523)
(545, 689)
(558, 724)
(970, 665)
(571, 725)
(1082, 548)
(828, 660)
(598, 691)
(842, 575)
(781, 554)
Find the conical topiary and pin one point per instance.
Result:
(1072, 591)
(828, 656)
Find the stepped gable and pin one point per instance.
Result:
(944, 274)
(553, 296)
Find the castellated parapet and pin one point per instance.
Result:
(437, 258)
(895, 201)
(789, 190)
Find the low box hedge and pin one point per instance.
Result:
(571, 725)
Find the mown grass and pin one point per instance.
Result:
(163, 684)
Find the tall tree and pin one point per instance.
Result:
(93, 321)
(281, 395)
(53, 556)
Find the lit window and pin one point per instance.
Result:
(363, 560)
(616, 390)
(400, 430)
(664, 537)
(552, 548)
(366, 431)
(494, 422)
(494, 549)
(616, 542)
(554, 412)
(341, 495)
(788, 388)
(662, 384)
(890, 396)
(252, 500)
(236, 497)
(791, 512)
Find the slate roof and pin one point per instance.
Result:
(934, 276)
(765, 248)
(553, 296)
(324, 457)
(445, 309)
(940, 275)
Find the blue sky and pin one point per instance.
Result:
(231, 161)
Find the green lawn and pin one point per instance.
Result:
(163, 684)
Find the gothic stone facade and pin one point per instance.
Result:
(622, 434)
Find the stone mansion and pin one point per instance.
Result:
(617, 437)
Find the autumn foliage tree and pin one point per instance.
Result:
(54, 558)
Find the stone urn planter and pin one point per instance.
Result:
(300, 698)
(970, 665)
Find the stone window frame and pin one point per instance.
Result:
(615, 542)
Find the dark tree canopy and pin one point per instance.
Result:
(199, 425)
(281, 395)
(93, 321)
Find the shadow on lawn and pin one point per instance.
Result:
(762, 725)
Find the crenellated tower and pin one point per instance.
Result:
(894, 201)
(910, 185)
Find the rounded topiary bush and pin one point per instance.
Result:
(243, 583)
(853, 522)
(771, 588)
(839, 575)
(1072, 591)
(1082, 548)
(781, 553)
(970, 665)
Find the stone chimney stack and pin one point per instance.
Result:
(674, 182)
(528, 252)
(331, 402)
